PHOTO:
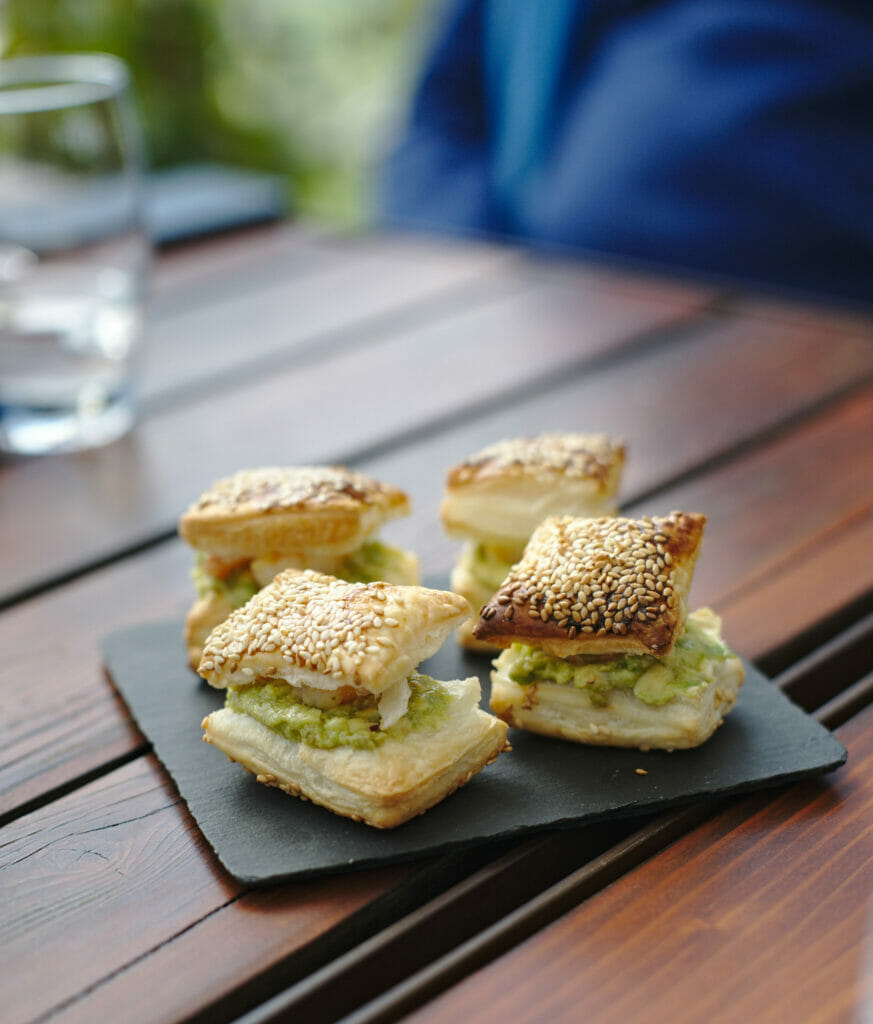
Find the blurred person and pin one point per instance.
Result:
(725, 136)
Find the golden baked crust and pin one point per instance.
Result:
(598, 586)
(255, 513)
(593, 457)
(205, 614)
(383, 787)
(624, 721)
(305, 627)
(500, 494)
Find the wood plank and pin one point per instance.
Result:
(130, 818)
(161, 575)
(682, 408)
(59, 717)
(768, 510)
(310, 301)
(460, 960)
(387, 992)
(254, 939)
(831, 571)
(126, 494)
(827, 315)
(178, 270)
(62, 629)
(197, 270)
(760, 914)
(120, 865)
(253, 933)
(832, 667)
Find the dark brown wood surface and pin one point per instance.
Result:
(337, 404)
(79, 874)
(74, 724)
(819, 580)
(401, 356)
(78, 714)
(761, 914)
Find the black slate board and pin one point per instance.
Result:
(261, 835)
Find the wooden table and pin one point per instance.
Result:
(401, 356)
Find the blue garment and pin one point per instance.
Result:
(725, 136)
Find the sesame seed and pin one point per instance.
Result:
(316, 622)
(604, 576)
(592, 457)
(274, 488)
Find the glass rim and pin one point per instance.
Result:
(57, 81)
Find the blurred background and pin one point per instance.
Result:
(719, 138)
(311, 90)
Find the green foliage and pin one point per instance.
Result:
(311, 89)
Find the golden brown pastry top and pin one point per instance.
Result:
(259, 512)
(598, 586)
(317, 630)
(500, 495)
(593, 457)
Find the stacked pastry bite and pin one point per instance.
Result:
(496, 498)
(248, 527)
(599, 645)
(324, 701)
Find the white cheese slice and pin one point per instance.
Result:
(393, 702)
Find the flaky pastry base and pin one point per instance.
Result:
(566, 712)
(383, 787)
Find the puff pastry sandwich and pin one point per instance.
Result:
(324, 701)
(495, 500)
(247, 527)
(599, 647)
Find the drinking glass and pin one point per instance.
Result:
(74, 252)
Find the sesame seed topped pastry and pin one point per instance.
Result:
(497, 498)
(324, 701)
(250, 526)
(599, 645)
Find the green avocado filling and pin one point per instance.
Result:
(489, 565)
(652, 680)
(374, 561)
(237, 588)
(356, 725)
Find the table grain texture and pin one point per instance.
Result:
(401, 355)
